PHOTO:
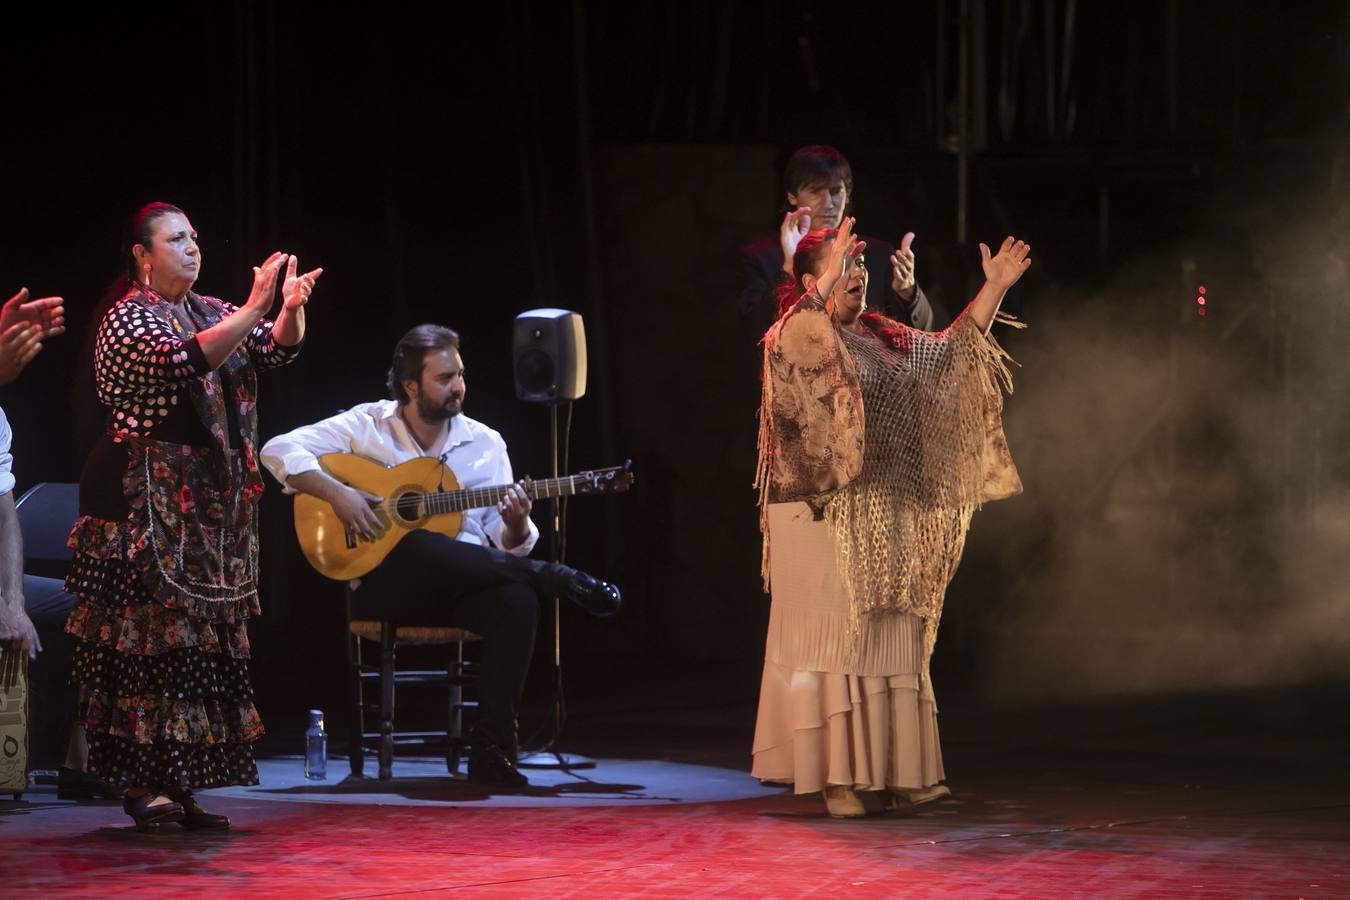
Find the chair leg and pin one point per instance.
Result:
(357, 717)
(455, 730)
(386, 701)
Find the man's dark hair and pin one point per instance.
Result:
(816, 164)
(409, 353)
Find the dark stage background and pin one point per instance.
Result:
(1186, 503)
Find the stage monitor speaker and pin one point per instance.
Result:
(549, 356)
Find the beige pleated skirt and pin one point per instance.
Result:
(832, 711)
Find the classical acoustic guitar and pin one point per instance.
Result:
(422, 493)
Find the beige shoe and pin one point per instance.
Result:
(907, 799)
(843, 802)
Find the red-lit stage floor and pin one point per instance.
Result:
(1120, 815)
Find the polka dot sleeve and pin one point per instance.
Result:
(262, 348)
(139, 355)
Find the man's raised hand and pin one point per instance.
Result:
(24, 325)
(902, 268)
(18, 345)
(796, 225)
(48, 312)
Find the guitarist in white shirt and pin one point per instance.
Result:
(482, 579)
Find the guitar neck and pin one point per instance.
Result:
(478, 498)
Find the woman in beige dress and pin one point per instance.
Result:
(877, 444)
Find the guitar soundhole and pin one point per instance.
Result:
(408, 507)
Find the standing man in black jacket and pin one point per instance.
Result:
(818, 182)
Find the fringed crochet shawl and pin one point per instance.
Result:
(894, 436)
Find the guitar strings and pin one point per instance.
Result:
(416, 503)
(410, 505)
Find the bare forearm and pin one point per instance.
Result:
(316, 483)
(1001, 271)
(11, 552)
(986, 304)
(353, 508)
(14, 622)
(289, 328)
(224, 337)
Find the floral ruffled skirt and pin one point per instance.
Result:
(162, 602)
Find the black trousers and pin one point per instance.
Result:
(430, 579)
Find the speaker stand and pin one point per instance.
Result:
(553, 759)
(548, 756)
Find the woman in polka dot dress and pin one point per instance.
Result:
(166, 554)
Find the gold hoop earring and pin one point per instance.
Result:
(145, 281)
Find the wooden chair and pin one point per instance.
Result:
(379, 668)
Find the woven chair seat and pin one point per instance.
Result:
(413, 634)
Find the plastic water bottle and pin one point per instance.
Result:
(316, 747)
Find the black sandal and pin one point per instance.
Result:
(149, 811)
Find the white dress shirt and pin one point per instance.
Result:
(6, 458)
(472, 451)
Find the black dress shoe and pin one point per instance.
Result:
(150, 811)
(194, 817)
(72, 784)
(599, 598)
(490, 764)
